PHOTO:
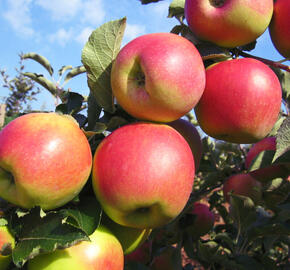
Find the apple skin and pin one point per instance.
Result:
(130, 238)
(268, 143)
(244, 185)
(45, 160)
(241, 101)
(280, 27)
(203, 222)
(142, 254)
(228, 23)
(158, 77)
(5, 238)
(191, 135)
(143, 174)
(103, 252)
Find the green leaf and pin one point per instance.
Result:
(40, 59)
(38, 232)
(64, 69)
(248, 262)
(97, 56)
(74, 72)
(283, 139)
(135, 266)
(86, 215)
(176, 8)
(94, 111)
(144, 2)
(263, 159)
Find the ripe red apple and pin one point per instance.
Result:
(241, 101)
(6, 242)
(203, 221)
(130, 238)
(268, 143)
(103, 252)
(142, 254)
(228, 23)
(45, 160)
(158, 77)
(244, 185)
(280, 27)
(191, 135)
(143, 174)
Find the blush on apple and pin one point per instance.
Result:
(228, 23)
(143, 174)
(241, 101)
(158, 77)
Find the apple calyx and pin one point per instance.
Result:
(6, 249)
(140, 78)
(217, 3)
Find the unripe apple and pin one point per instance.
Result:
(280, 27)
(203, 220)
(158, 77)
(228, 23)
(45, 160)
(241, 101)
(103, 252)
(143, 174)
(6, 242)
(268, 143)
(130, 238)
(244, 185)
(191, 135)
(142, 254)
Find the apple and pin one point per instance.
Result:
(241, 101)
(268, 143)
(130, 238)
(228, 23)
(7, 243)
(191, 135)
(143, 174)
(166, 260)
(280, 27)
(203, 220)
(45, 160)
(158, 77)
(142, 254)
(244, 185)
(103, 252)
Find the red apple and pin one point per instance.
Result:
(7, 242)
(268, 143)
(228, 23)
(143, 174)
(142, 254)
(244, 185)
(203, 221)
(45, 160)
(158, 77)
(241, 101)
(103, 252)
(280, 27)
(191, 135)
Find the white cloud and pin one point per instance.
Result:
(62, 36)
(19, 17)
(84, 35)
(61, 9)
(93, 12)
(133, 30)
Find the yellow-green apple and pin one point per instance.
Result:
(130, 238)
(167, 259)
(280, 27)
(7, 243)
(228, 23)
(45, 160)
(243, 184)
(203, 220)
(241, 101)
(268, 143)
(142, 254)
(191, 135)
(158, 77)
(143, 174)
(103, 252)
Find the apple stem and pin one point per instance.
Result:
(237, 52)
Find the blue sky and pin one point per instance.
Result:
(58, 30)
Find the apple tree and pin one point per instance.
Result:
(236, 214)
